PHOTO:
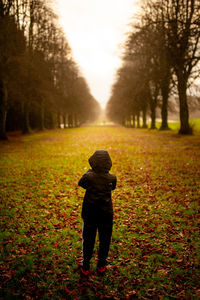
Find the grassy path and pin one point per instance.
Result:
(155, 245)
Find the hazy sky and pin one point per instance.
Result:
(94, 30)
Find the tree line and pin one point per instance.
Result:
(161, 58)
(40, 83)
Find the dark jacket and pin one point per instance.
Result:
(98, 183)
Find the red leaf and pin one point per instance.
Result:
(67, 291)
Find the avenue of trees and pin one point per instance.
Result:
(161, 58)
(40, 84)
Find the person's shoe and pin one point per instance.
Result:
(101, 270)
(85, 268)
(85, 272)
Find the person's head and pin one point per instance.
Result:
(100, 161)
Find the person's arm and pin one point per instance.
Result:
(114, 182)
(84, 182)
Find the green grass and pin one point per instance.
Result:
(195, 124)
(155, 246)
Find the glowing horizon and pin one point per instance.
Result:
(94, 34)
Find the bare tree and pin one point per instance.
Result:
(12, 51)
(183, 21)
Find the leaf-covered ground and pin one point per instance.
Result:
(155, 244)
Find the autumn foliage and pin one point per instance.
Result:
(155, 245)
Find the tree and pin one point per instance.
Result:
(183, 21)
(12, 51)
(164, 42)
(155, 24)
(47, 87)
(127, 99)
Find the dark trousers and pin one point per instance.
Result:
(90, 227)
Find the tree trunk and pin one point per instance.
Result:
(184, 112)
(58, 120)
(52, 120)
(70, 121)
(3, 112)
(164, 109)
(153, 113)
(17, 13)
(75, 120)
(42, 127)
(138, 119)
(128, 121)
(144, 117)
(64, 120)
(133, 118)
(153, 118)
(26, 119)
